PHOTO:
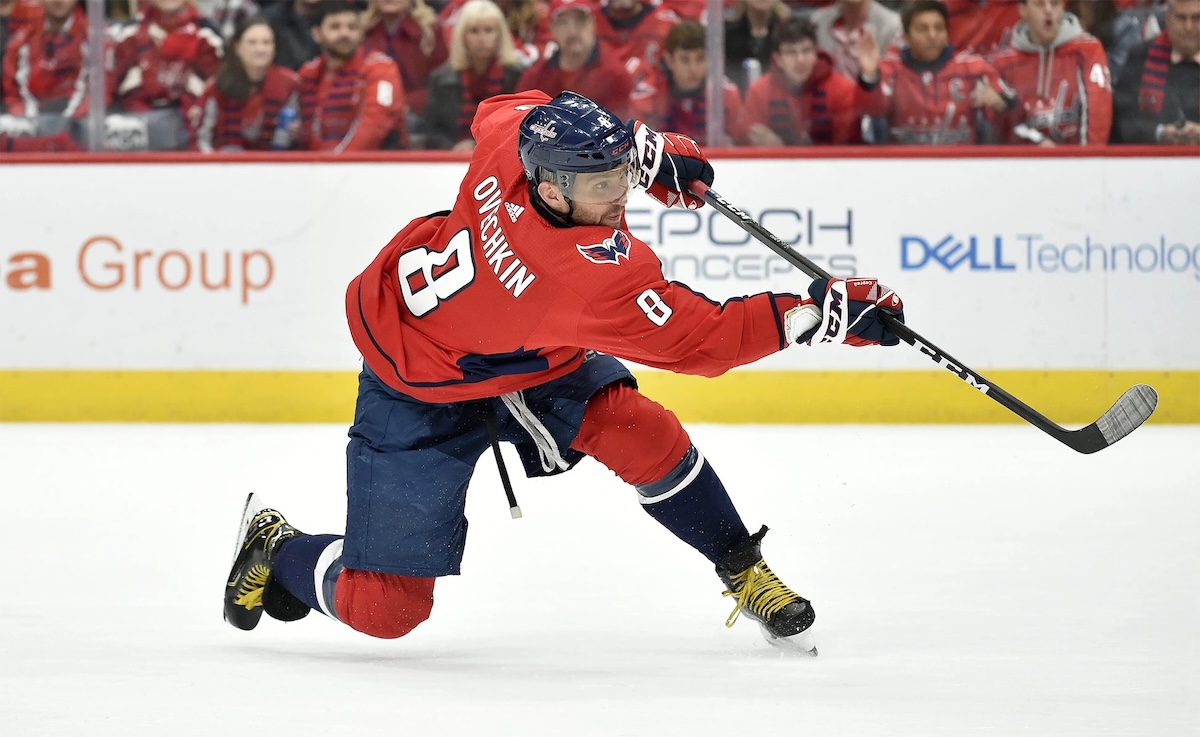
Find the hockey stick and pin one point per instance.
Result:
(1129, 412)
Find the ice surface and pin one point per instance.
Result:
(967, 581)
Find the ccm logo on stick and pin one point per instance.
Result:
(947, 364)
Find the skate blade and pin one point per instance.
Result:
(249, 512)
(798, 644)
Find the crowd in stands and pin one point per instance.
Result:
(348, 75)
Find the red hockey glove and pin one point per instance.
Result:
(851, 310)
(667, 163)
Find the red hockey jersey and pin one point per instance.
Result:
(659, 105)
(602, 78)
(824, 110)
(1064, 92)
(45, 71)
(982, 26)
(161, 62)
(219, 122)
(357, 107)
(492, 298)
(931, 103)
(403, 46)
(642, 36)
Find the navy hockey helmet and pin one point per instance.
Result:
(573, 135)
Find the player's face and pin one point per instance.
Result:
(339, 34)
(927, 36)
(482, 40)
(256, 48)
(688, 68)
(1183, 26)
(1043, 17)
(597, 198)
(796, 60)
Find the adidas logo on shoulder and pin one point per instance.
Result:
(514, 211)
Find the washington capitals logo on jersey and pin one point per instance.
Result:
(608, 252)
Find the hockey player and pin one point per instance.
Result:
(500, 319)
(1061, 77)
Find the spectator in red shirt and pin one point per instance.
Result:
(483, 64)
(801, 100)
(1061, 78)
(351, 99)
(45, 68)
(15, 16)
(928, 94)
(407, 31)
(164, 59)
(635, 29)
(673, 96)
(579, 63)
(241, 108)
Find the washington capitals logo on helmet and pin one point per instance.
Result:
(608, 252)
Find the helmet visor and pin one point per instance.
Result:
(600, 187)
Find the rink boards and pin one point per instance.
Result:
(178, 290)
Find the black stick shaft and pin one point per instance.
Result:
(905, 333)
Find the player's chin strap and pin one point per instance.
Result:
(555, 218)
(494, 439)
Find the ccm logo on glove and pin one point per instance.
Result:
(667, 164)
(851, 313)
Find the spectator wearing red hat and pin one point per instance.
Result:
(801, 100)
(635, 29)
(580, 63)
(351, 99)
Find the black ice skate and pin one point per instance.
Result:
(783, 616)
(248, 591)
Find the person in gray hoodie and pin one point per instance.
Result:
(1061, 77)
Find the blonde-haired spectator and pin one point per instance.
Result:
(407, 31)
(528, 21)
(748, 38)
(483, 63)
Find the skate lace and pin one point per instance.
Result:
(250, 593)
(760, 591)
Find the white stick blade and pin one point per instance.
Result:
(1131, 410)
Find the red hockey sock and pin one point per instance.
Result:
(383, 604)
(637, 438)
